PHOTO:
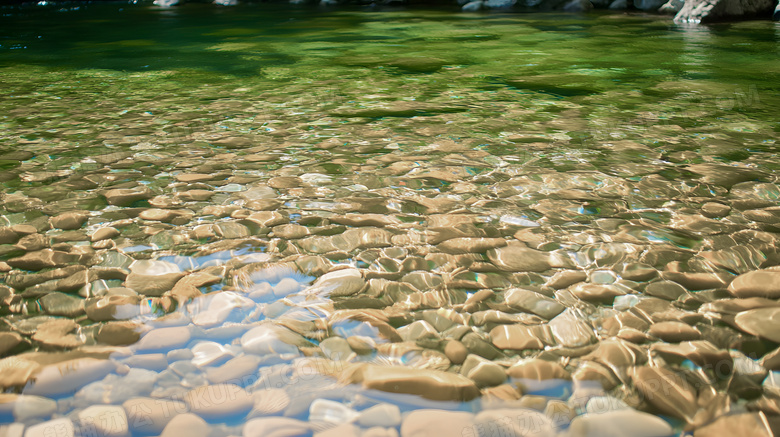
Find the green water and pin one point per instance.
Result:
(559, 85)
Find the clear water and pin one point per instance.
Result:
(600, 133)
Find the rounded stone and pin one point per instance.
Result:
(456, 351)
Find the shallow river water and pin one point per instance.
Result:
(277, 221)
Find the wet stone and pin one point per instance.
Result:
(219, 401)
(115, 307)
(714, 210)
(42, 259)
(106, 420)
(665, 290)
(149, 416)
(763, 322)
(516, 337)
(565, 278)
(290, 231)
(127, 196)
(276, 427)
(538, 370)
(152, 285)
(455, 351)
(231, 230)
(32, 242)
(484, 373)
(119, 333)
(164, 339)
(58, 333)
(61, 304)
(186, 424)
(700, 352)
(752, 424)
(50, 382)
(667, 391)
(62, 426)
(532, 302)
(430, 384)
(470, 245)
(8, 341)
(69, 220)
(674, 332)
(759, 283)
(638, 272)
(619, 423)
(436, 422)
(518, 258)
(279, 182)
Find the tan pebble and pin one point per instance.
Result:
(456, 351)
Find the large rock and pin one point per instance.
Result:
(702, 11)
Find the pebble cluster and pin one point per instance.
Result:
(224, 303)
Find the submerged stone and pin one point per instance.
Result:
(430, 384)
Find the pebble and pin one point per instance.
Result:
(152, 285)
(119, 333)
(674, 332)
(186, 424)
(114, 307)
(753, 424)
(484, 373)
(515, 422)
(519, 258)
(127, 196)
(49, 381)
(339, 283)
(516, 337)
(69, 220)
(275, 427)
(43, 259)
(470, 245)
(619, 423)
(456, 351)
(324, 410)
(62, 427)
(436, 422)
(538, 370)
(164, 339)
(26, 407)
(264, 340)
(104, 420)
(61, 304)
(763, 322)
(758, 283)
(149, 416)
(667, 391)
(430, 384)
(381, 415)
(269, 402)
(219, 401)
(531, 302)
